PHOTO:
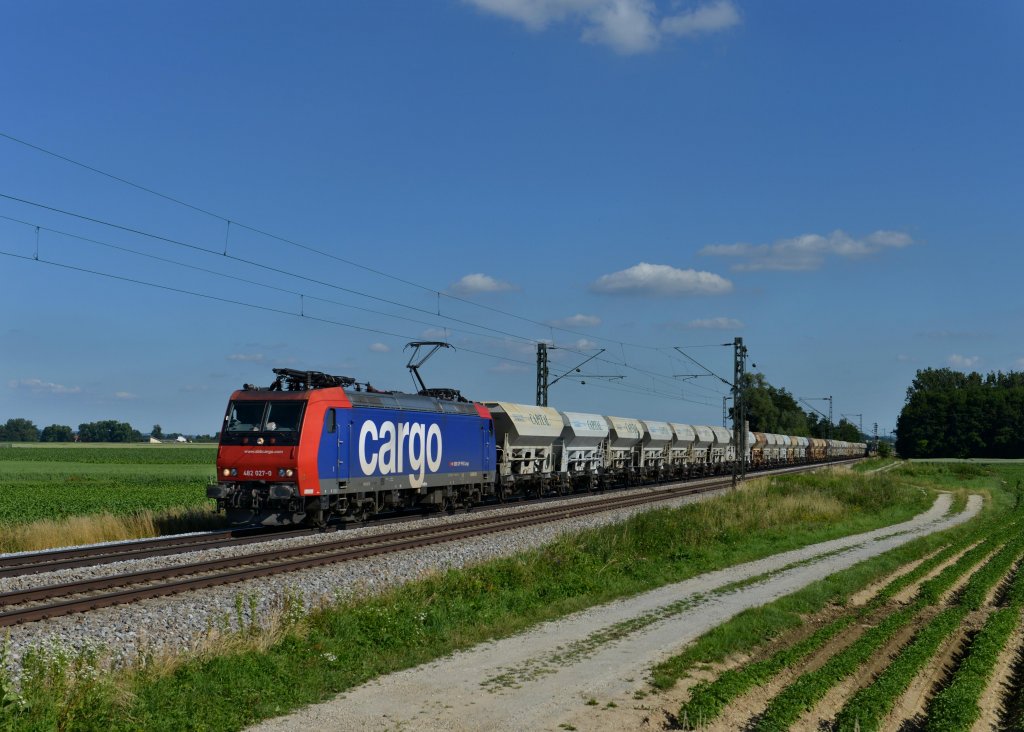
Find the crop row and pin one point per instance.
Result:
(868, 707)
(29, 501)
(138, 455)
(808, 689)
(709, 698)
(956, 706)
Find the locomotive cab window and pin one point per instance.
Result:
(247, 421)
(245, 416)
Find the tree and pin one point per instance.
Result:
(107, 431)
(57, 433)
(951, 414)
(18, 429)
(157, 432)
(769, 409)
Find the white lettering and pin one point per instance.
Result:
(387, 450)
(368, 465)
(433, 458)
(417, 454)
(394, 448)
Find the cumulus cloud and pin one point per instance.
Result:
(473, 284)
(125, 395)
(577, 321)
(626, 26)
(661, 279)
(38, 386)
(434, 334)
(715, 323)
(380, 347)
(246, 357)
(806, 252)
(709, 18)
(583, 344)
(963, 362)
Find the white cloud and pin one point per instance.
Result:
(38, 386)
(808, 251)
(583, 344)
(473, 284)
(661, 279)
(627, 26)
(717, 323)
(709, 18)
(125, 395)
(904, 358)
(380, 347)
(247, 357)
(434, 334)
(577, 321)
(963, 362)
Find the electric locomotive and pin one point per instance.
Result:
(306, 448)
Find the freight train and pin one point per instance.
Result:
(313, 446)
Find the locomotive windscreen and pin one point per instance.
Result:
(275, 421)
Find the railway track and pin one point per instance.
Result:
(88, 556)
(40, 603)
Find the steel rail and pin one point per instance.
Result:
(87, 556)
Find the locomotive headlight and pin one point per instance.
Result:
(280, 472)
(234, 472)
(226, 472)
(289, 472)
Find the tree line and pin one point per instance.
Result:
(952, 414)
(19, 429)
(775, 410)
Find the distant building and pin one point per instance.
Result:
(154, 441)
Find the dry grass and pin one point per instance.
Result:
(75, 530)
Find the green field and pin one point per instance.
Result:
(58, 482)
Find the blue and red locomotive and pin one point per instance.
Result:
(304, 449)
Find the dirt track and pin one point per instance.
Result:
(587, 671)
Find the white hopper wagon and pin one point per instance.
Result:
(525, 436)
(624, 435)
(802, 445)
(721, 448)
(702, 445)
(656, 438)
(679, 455)
(786, 452)
(583, 446)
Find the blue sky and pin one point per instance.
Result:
(839, 184)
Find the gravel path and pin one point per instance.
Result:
(182, 623)
(544, 678)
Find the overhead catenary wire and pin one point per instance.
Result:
(231, 221)
(231, 301)
(236, 278)
(278, 270)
